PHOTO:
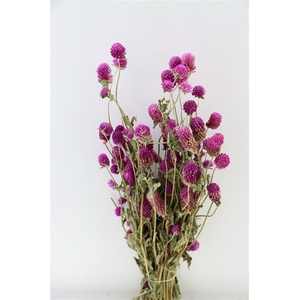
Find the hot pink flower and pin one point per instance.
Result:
(214, 120)
(157, 203)
(222, 161)
(117, 50)
(154, 113)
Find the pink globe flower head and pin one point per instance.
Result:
(146, 157)
(114, 169)
(190, 107)
(157, 203)
(222, 161)
(198, 91)
(118, 211)
(128, 133)
(143, 134)
(104, 73)
(167, 85)
(112, 184)
(198, 129)
(103, 160)
(213, 144)
(163, 166)
(191, 172)
(117, 50)
(214, 192)
(175, 229)
(174, 62)
(208, 164)
(187, 140)
(128, 173)
(188, 60)
(120, 63)
(104, 92)
(117, 154)
(118, 138)
(169, 128)
(122, 200)
(193, 246)
(155, 113)
(105, 131)
(145, 208)
(188, 199)
(185, 87)
(181, 73)
(167, 75)
(214, 120)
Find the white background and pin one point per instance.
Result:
(88, 253)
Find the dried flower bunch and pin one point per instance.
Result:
(162, 185)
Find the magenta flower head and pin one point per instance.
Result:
(145, 208)
(111, 184)
(122, 200)
(188, 199)
(185, 87)
(118, 211)
(189, 107)
(156, 202)
(103, 160)
(174, 61)
(104, 73)
(193, 246)
(143, 133)
(120, 63)
(114, 169)
(105, 130)
(214, 121)
(118, 138)
(146, 156)
(214, 192)
(207, 164)
(167, 85)
(175, 229)
(198, 129)
(155, 113)
(222, 161)
(187, 140)
(188, 60)
(117, 50)
(213, 144)
(198, 91)
(128, 133)
(128, 173)
(104, 92)
(167, 75)
(191, 173)
(181, 73)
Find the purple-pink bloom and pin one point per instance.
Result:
(185, 87)
(187, 140)
(143, 133)
(118, 211)
(213, 144)
(175, 229)
(111, 184)
(120, 63)
(167, 74)
(174, 61)
(146, 156)
(181, 73)
(167, 85)
(188, 60)
(188, 199)
(222, 161)
(207, 164)
(104, 72)
(103, 160)
(128, 133)
(214, 192)
(198, 91)
(191, 173)
(122, 200)
(189, 107)
(104, 92)
(117, 50)
(169, 189)
(114, 169)
(214, 120)
(117, 153)
(118, 138)
(155, 113)
(145, 208)
(105, 130)
(128, 173)
(198, 129)
(193, 246)
(156, 202)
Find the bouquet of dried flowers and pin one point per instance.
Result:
(162, 186)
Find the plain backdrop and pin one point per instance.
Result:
(89, 256)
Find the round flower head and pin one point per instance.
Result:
(128, 173)
(181, 72)
(145, 208)
(128, 133)
(167, 74)
(103, 160)
(154, 113)
(118, 138)
(104, 92)
(188, 199)
(193, 246)
(198, 129)
(198, 91)
(213, 144)
(214, 192)
(191, 173)
(185, 87)
(143, 133)
(114, 169)
(105, 130)
(157, 202)
(122, 200)
(208, 164)
(104, 73)
(214, 121)
(174, 61)
(118, 211)
(117, 153)
(189, 107)
(187, 140)
(222, 161)
(111, 184)
(169, 127)
(120, 128)
(188, 60)
(175, 229)
(146, 156)
(167, 85)
(120, 63)
(117, 50)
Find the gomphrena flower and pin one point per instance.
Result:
(191, 173)
(118, 138)
(155, 113)
(174, 61)
(117, 50)
(189, 107)
(118, 210)
(188, 60)
(214, 192)
(120, 128)
(185, 87)
(167, 75)
(114, 169)
(111, 184)
(222, 161)
(145, 208)
(122, 200)
(198, 129)
(187, 140)
(143, 134)
(156, 202)
(169, 128)
(198, 91)
(104, 92)
(128, 173)
(146, 156)
(181, 73)
(214, 120)
(207, 164)
(105, 131)
(188, 199)
(117, 154)
(175, 229)
(213, 144)
(103, 160)
(193, 246)
(104, 73)
(128, 133)
(167, 85)
(120, 63)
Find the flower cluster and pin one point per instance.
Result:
(162, 183)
